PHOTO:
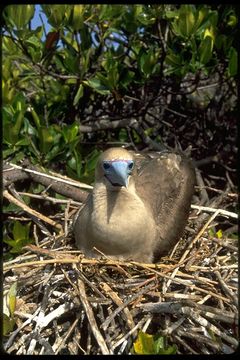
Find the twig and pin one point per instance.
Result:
(178, 281)
(113, 295)
(29, 210)
(53, 74)
(92, 322)
(126, 336)
(184, 344)
(126, 303)
(226, 288)
(14, 334)
(223, 243)
(190, 247)
(204, 339)
(107, 124)
(206, 324)
(176, 113)
(217, 191)
(72, 191)
(56, 313)
(59, 347)
(220, 211)
(59, 179)
(60, 259)
(173, 307)
(49, 198)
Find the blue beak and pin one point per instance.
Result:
(118, 173)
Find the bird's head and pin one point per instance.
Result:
(115, 166)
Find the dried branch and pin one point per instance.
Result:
(13, 173)
(98, 336)
(107, 124)
(220, 211)
(27, 209)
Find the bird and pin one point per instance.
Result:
(138, 207)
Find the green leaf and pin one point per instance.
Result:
(205, 50)
(17, 120)
(144, 344)
(171, 14)
(8, 325)
(35, 117)
(161, 348)
(20, 237)
(152, 344)
(34, 42)
(46, 139)
(146, 19)
(75, 163)
(71, 61)
(113, 77)
(77, 17)
(201, 17)
(219, 234)
(97, 86)
(91, 160)
(232, 21)
(103, 79)
(19, 15)
(143, 63)
(185, 23)
(9, 152)
(126, 78)
(55, 151)
(233, 62)
(78, 95)
(23, 142)
(190, 20)
(11, 208)
(148, 61)
(12, 298)
(20, 231)
(70, 133)
(86, 39)
(136, 137)
(210, 32)
(173, 59)
(19, 156)
(123, 135)
(57, 14)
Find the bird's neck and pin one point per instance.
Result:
(108, 201)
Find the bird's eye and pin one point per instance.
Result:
(106, 166)
(130, 165)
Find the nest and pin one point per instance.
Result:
(68, 304)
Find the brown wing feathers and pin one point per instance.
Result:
(166, 184)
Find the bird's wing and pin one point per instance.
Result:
(165, 183)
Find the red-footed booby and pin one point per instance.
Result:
(139, 205)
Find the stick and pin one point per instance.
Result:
(98, 336)
(29, 210)
(220, 211)
(69, 182)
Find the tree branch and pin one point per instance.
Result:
(132, 123)
(11, 175)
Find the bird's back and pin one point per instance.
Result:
(165, 182)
